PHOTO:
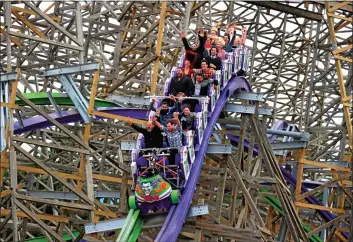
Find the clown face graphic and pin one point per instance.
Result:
(147, 188)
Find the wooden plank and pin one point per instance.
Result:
(47, 41)
(320, 188)
(118, 117)
(29, 24)
(53, 121)
(158, 47)
(337, 6)
(13, 39)
(51, 145)
(343, 58)
(131, 74)
(340, 17)
(52, 173)
(9, 105)
(53, 202)
(67, 175)
(339, 50)
(38, 221)
(56, 25)
(306, 205)
(323, 165)
(47, 217)
(326, 225)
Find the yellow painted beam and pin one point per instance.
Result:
(340, 17)
(31, 12)
(29, 24)
(158, 47)
(339, 50)
(306, 205)
(9, 105)
(323, 165)
(343, 58)
(337, 6)
(118, 117)
(13, 39)
(61, 219)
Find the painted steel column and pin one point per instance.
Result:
(158, 47)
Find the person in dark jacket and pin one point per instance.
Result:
(180, 85)
(202, 84)
(152, 135)
(214, 61)
(187, 119)
(198, 49)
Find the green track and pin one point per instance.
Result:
(66, 237)
(277, 206)
(41, 98)
(131, 228)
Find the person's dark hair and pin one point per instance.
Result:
(171, 121)
(165, 102)
(204, 60)
(214, 47)
(226, 35)
(199, 73)
(180, 67)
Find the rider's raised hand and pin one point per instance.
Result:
(182, 35)
(129, 122)
(172, 98)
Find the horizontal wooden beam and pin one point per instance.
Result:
(323, 165)
(118, 117)
(47, 217)
(318, 207)
(29, 169)
(54, 202)
(288, 9)
(50, 145)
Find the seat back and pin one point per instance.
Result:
(184, 162)
(166, 86)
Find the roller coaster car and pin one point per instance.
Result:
(153, 190)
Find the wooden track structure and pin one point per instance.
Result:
(301, 59)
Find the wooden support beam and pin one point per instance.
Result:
(29, 24)
(54, 24)
(53, 121)
(67, 175)
(306, 205)
(38, 221)
(117, 84)
(327, 225)
(118, 117)
(289, 9)
(323, 165)
(52, 173)
(320, 188)
(47, 217)
(13, 39)
(158, 47)
(54, 202)
(50, 145)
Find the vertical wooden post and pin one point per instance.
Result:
(13, 161)
(300, 155)
(158, 47)
(84, 161)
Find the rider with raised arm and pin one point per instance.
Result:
(174, 135)
(152, 135)
(165, 112)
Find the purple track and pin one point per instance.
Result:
(172, 227)
(176, 217)
(39, 122)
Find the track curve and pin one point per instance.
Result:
(172, 227)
